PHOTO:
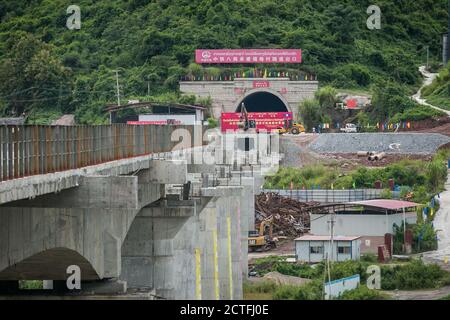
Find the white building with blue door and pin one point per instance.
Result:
(313, 249)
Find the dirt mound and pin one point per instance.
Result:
(65, 120)
(282, 279)
(444, 129)
(350, 161)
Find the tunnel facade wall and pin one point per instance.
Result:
(227, 95)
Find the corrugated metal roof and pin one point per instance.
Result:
(311, 237)
(12, 121)
(387, 204)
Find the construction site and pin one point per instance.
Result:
(299, 162)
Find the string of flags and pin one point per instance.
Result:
(394, 126)
(378, 125)
(254, 73)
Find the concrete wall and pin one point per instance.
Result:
(227, 95)
(160, 251)
(371, 244)
(359, 224)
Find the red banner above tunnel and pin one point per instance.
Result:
(238, 56)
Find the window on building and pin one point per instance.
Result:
(344, 250)
(316, 250)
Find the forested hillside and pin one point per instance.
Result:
(46, 69)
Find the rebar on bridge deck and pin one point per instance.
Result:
(31, 150)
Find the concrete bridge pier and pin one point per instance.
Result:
(191, 249)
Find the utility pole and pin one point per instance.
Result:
(447, 49)
(117, 86)
(331, 248)
(428, 57)
(148, 88)
(332, 222)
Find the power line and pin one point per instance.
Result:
(43, 99)
(66, 91)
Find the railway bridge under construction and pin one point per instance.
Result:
(129, 206)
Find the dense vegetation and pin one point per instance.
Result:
(438, 93)
(390, 104)
(424, 178)
(424, 236)
(405, 276)
(46, 69)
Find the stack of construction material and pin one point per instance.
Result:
(290, 217)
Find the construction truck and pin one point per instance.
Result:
(291, 127)
(262, 240)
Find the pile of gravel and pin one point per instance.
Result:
(397, 143)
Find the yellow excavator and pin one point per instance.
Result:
(291, 127)
(245, 123)
(259, 240)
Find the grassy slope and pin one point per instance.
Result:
(438, 93)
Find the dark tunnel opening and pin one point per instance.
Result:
(263, 102)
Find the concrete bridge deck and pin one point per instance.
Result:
(128, 223)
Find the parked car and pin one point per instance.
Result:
(350, 128)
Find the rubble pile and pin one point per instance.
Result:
(290, 217)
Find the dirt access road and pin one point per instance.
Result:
(284, 248)
(419, 294)
(442, 226)
(428, 79)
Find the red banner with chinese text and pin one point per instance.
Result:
(248, 56)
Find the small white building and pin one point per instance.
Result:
(370, 220)
(312, 248)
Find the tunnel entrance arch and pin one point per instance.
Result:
(263, 101)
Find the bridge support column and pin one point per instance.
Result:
(192, 250)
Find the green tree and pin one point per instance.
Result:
(436, 175)
(32, 75)
(326, 97)
(310, 113)
(388, 99)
